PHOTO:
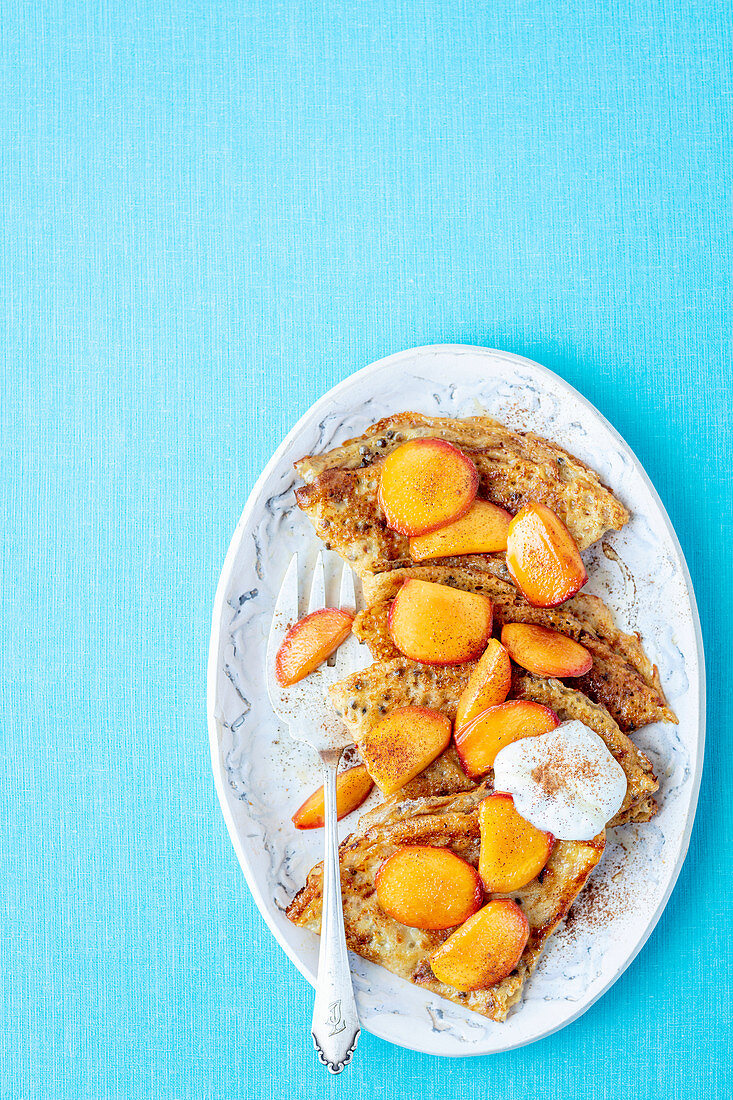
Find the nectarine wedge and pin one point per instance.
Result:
(310, 642)
(488, 685)
(425, 484)
(479, 741)
(352, 788)
(483, 530)
(439, 625)
(485, 949)
(545, 652)
(402, 745)
(543, 558)
(426, 887)
(513, 851)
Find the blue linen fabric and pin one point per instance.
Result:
(211, 212)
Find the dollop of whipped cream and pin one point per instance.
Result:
(564, 782)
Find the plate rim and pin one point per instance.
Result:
(216, 634)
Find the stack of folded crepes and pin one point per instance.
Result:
(619, 694)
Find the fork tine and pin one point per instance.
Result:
(347, 594)
(348, 653)
(318, 586)
(285, 612)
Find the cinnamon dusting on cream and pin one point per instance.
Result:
(565, 781)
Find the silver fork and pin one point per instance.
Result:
(306, 710)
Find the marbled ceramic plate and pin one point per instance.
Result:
(261, 776)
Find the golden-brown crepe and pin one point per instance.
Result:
(447, 822)
(341, 492)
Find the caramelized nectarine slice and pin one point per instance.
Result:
(425, 484)
(492, 729)
(439, 625)
(352, 788)
(403, 744)
(310, 642)
(483, 530)
(513, 852)
(427, 887)
(488, 685)
(542, 557)
(485, 949)
(545, 652)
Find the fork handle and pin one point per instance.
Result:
(335, 1020)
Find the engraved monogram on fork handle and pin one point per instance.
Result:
(335, 1027)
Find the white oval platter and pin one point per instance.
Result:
(262, 776)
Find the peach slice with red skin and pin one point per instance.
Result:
(426, 887)
(352, 788)
(439, 625)
(543, 558)
(478, 742)
(483, 530)
(488, 685)
(545, 652)
(485, 949)
(426, 484)
(402, 745)
(310, 642)
(513, 851)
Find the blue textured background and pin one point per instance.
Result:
(211, 212)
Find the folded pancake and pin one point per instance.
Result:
(622, 677)
(447, 822)
(340, 495)
(363, 698)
